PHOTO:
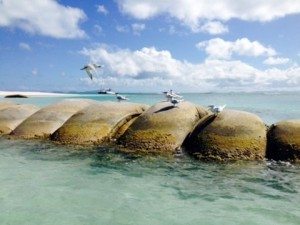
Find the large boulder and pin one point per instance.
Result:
(232, 135)
(47, 120)
(98, 123)
(5, 104)
(284, 141)
(12, 116)
(161, 129)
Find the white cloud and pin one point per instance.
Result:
(122, 29)
(47, 17)
(194, 12)
(137, 28)
(221, 49)
(158, 68)
(276, 61)
(214, 27)
(102, 10)
(24, 46)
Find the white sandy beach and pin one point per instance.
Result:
(33, 93)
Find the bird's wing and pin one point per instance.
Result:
(89, 73)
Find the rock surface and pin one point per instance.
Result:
(5, 104)
(232, 135)
(47, 120)
(284, 141)
(161, 129)
(98, 123)
(12, 116)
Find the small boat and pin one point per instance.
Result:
(107, 91)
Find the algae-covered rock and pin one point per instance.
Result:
(284, 141)
(232, 135)
(47, 120)
(12, 116)
(98, 123)
(161, 129)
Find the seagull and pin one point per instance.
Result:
(170, 94)
(121, 98)
(90, 68)
(175, 101)
(216, 109)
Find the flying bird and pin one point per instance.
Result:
(90, 69)
(216, 109)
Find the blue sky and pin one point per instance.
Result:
(144, 45)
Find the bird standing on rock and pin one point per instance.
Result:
(121, 98)
(216, 109)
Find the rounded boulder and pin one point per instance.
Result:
(12, 116)
(284, 141)
(98, 123)
(231, 135)
(162, 129)
(48, 119)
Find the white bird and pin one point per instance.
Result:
(90, 69)
(170, 94)
(216, 109)
(121, 98)
(175, 101)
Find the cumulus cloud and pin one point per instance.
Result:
(47, 17)
(221, 49)
(214, 27)
(276, 61)
(137, 28)
(193, 12)
(159, 68)
(102, 10)
(24, 46)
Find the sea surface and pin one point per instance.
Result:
(46, 183)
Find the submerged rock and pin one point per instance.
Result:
(16, 96)
(12, 116)
(232, 135)
(161, 129)
(98, 123)
(284, 141)
(47, 120)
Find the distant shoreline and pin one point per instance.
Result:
(34, 93)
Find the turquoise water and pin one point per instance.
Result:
(44, 183)
(271, 107)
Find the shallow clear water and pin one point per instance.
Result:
(44, 183)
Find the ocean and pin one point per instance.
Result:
(46, 183)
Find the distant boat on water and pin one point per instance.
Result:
(107, 91)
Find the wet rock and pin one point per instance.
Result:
(162, 129)
(98, 123)
(12, 116)
(231, 135)
(47, 120)
(284, 141)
